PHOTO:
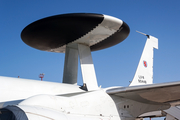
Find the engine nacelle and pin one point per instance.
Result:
(30, 113)
(38, 113)
(94, 105)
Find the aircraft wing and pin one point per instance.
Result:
(161, 93)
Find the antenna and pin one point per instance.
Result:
(142, 33)
(41, 75)
(97, 32)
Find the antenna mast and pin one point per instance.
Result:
(41, 75)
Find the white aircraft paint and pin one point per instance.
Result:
(40, 100)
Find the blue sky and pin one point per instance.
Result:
(114, 66)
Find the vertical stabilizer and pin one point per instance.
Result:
(144, 72)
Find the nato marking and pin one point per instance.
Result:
(145, 63)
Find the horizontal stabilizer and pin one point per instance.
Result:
(161, 93)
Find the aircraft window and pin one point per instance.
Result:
(124, 106)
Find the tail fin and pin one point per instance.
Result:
(144, 72)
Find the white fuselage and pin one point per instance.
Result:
(18, 89)
(41, 100)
